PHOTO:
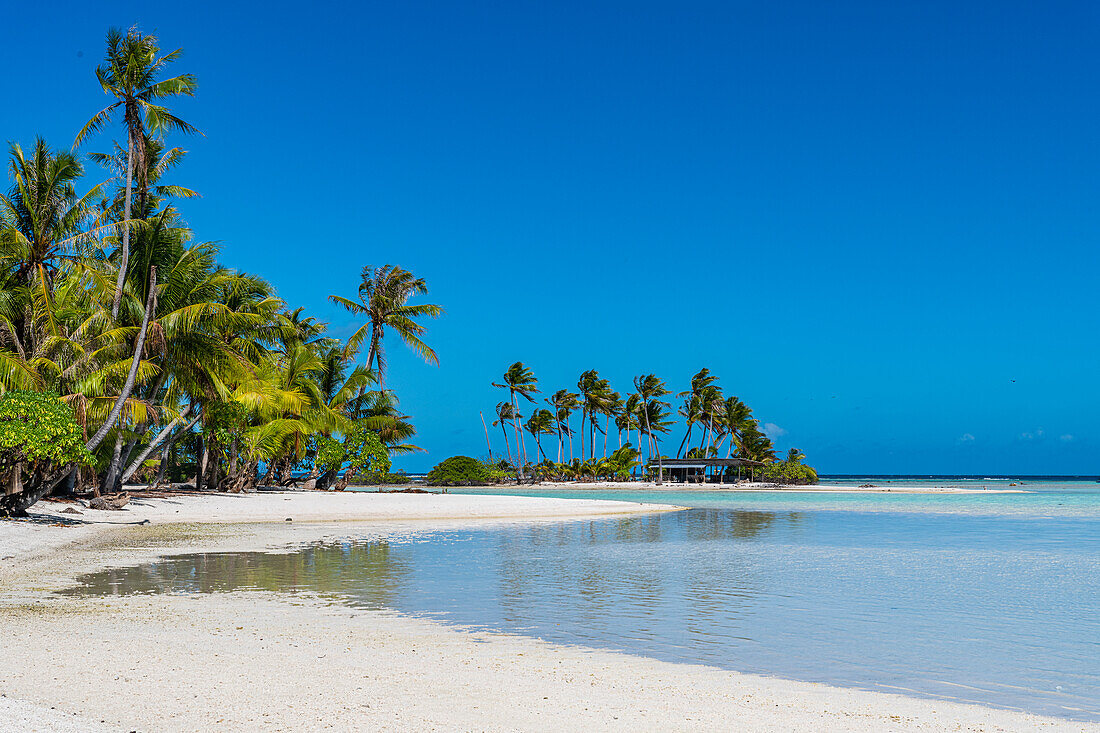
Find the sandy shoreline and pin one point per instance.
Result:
(242, 661)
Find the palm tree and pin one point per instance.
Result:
(794, 455)
(384, 294)
(564, 403)
(755, 446)
(506, 414)
(129, 73)
(540, 423)
(42, 227)
(696, 401)
(519, 380)
(650, 389)
(610, 405)
(587, 385)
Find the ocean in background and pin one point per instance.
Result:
(985, 598)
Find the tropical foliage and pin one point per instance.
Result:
(126, 345)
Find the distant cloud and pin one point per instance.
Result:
(773, 431)
(966, 438)
(1065, 438)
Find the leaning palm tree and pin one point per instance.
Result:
(651, 389)
(519, 380)
(129, 73)
(540, 423)
(564, 403)
(794, 455)
(384, 294)
(505, 414)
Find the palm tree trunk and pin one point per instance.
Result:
(683, 442)
(584, 417)
(200, 469)
(157, 440)
(570, 431)
(128, 387)
(520, 456)
(487, 444)
(505, 433)
(125, 257)
(162, 468)
(112, 470)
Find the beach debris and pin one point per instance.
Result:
(866, 486)
(70, 510)
(114, 502)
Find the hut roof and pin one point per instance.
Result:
(700, 462)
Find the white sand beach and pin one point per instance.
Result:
(253, 660)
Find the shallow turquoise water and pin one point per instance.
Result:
(991, 598)
(1042, 498)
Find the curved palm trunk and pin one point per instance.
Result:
(128, 386)
(133, 467)
(487, 444)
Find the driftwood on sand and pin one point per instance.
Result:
(111, 502)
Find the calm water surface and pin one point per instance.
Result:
(993, 599)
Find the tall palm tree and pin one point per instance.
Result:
(588, 386)
(540, 423)
(384, 294)
(736, 415)
(519, 380)
(611, 404)
(505, 414)
(696, 402)
(651, 389)
(129, 73)
(794, 455)
(564, 403)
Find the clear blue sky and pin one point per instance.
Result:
(877, 222)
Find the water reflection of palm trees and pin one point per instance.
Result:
(601, 574)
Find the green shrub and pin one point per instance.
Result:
(785, 472)
(459, 471)
(361, 450)
(36, 429)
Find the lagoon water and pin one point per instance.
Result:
(993, 599)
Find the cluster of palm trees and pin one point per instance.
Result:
(725, 426)
(163, 354)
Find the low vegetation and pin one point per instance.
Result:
(460, 471)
